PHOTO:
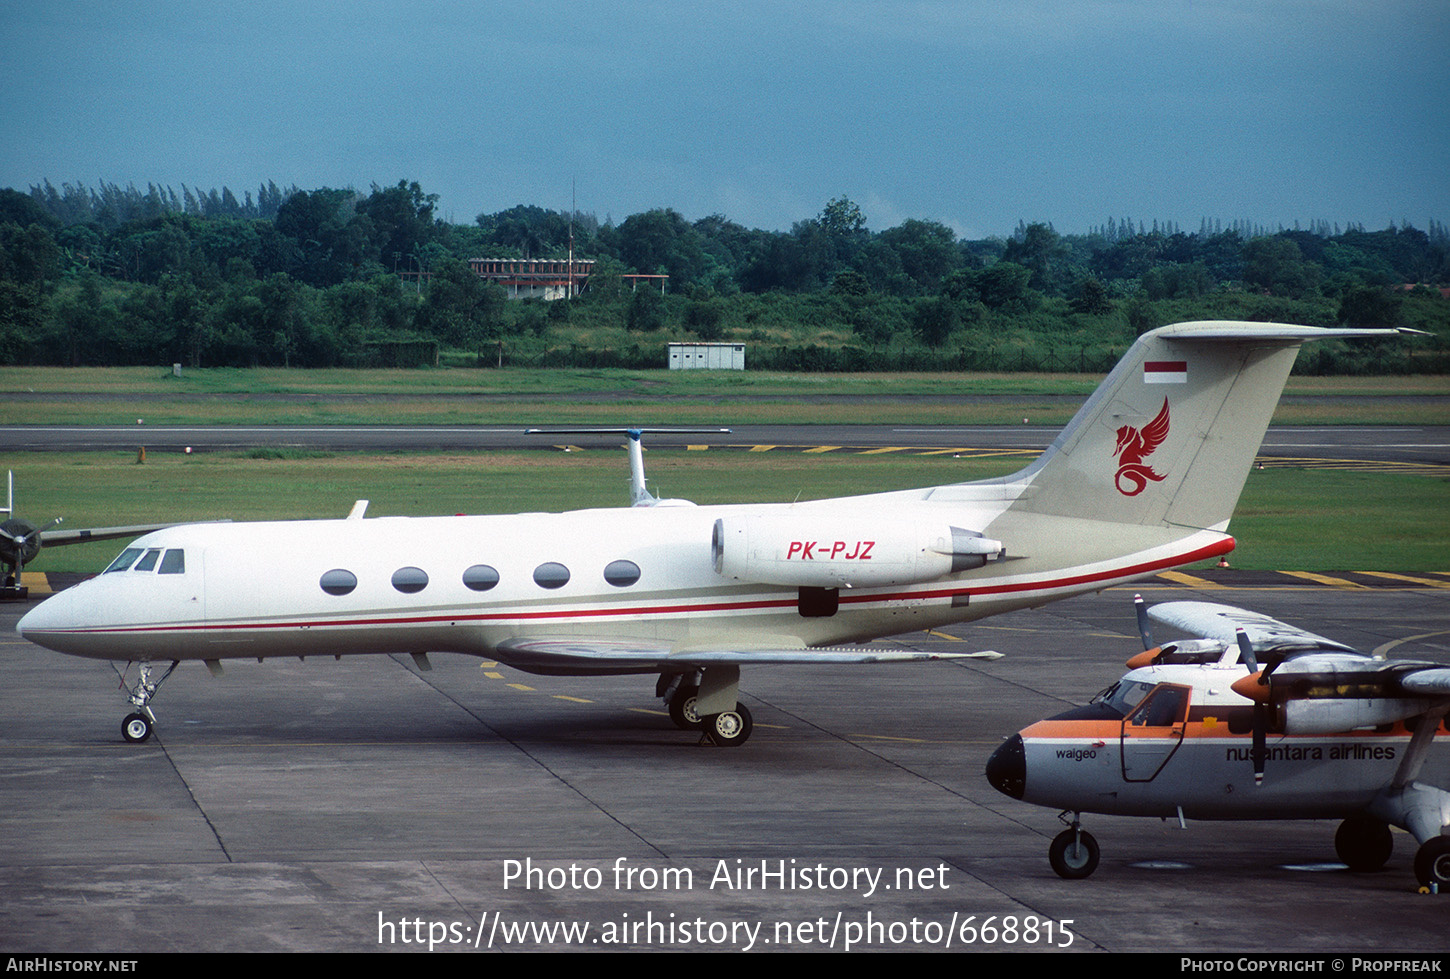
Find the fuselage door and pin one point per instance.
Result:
(1153, 731)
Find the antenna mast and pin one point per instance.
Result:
(573, 206)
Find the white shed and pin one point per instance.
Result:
(707, 356)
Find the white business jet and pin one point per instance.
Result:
(1144, 478)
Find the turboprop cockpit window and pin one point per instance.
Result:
(1124, 695)
(1165, 706)
(173, 563)
(124, 560)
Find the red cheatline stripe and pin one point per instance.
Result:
(1202, 553)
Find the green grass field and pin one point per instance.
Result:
(110, 396)
(1287, 519)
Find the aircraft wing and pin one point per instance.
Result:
(1213, 621)
(55, 538)
(1432, 681)
(566, 655)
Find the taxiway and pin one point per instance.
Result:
(361, 805)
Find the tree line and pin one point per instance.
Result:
(334, 276)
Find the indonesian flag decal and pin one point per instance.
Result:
(1133, 447)
(1165, 372)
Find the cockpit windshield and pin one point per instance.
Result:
(172, 561)
(125, 559)
(1124, 695)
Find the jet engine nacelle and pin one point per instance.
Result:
(836, 551)
(1336, 716)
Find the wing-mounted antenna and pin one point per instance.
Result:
(639, 494)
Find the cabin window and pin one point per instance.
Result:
(410, 581)
(621, 574)
(149, 561)
(551, 575)
(173, 563)
(480, 577)
(124, 560)
(338, 582)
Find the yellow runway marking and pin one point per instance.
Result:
(761, 448)
(696, 448)
(1428, 582)
(520, 686)
(1324, 579)
(942, 635)
(1188, 579)
(877, 452)
(494, 676)
(573, 700)
(821, 448)
(1354, 465)
(37, 582)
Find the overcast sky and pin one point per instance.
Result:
(975, 114)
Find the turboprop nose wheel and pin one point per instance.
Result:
(1073, 853)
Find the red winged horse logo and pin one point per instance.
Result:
(1135, 446)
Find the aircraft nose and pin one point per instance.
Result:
(41, 623)
(1007, 768)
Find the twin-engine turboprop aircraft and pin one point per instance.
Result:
(1144, 478)
(21, 541)
(1256, 720)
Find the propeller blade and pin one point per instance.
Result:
(1145, 629)
(1260, 751)
(1246, 650)
(1256, 688)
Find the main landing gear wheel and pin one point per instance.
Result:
(1073, 854)
(1432, 862)
(136, 728)
(1363, 843)
(730, 729)
(682, 708)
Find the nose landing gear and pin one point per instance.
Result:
(137, 726)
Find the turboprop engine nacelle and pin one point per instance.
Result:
(1334, 716)
(835, 551)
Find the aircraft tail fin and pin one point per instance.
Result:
(1169, 437)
